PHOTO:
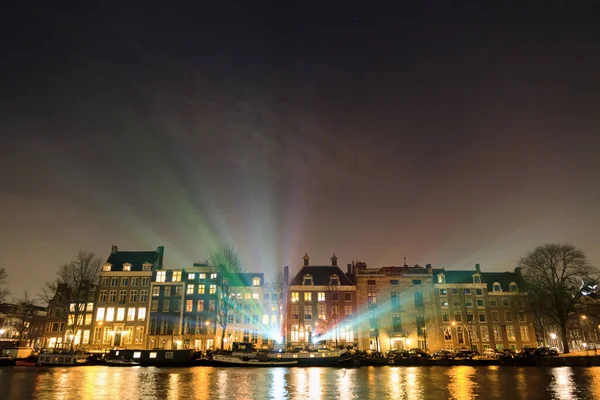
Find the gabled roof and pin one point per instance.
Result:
(320, 275)
(136, 258)
(504, 279)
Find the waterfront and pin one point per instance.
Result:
(460, 382)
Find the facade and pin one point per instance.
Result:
(320, 306)
(396, 308)
(21, 324)
(122, 302)
(483, 310)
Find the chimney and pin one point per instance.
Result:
(405, 264)
(286, 276)
(114, 249)
(349, 269)
(334, 260)
(161, 251)
(518, 272)
(477, 268)
(306, 259)
(429, 269)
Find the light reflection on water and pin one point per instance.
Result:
(411, 383)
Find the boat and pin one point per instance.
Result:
(7, 361)
(62, 359)
(225, 360)
(318, 358)
(117, 362)
(25, 363)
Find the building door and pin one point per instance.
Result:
(118, 334)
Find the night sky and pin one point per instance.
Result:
(450, 135)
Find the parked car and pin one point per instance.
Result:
(506, 353)
(444, 354)
(466, 353)
(546, 351)
(490, 353)
(526, 353)
(418, 353)
(398, 354)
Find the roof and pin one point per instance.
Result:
(504, 279)
(136, 258)
(245, 278)
(465, 276)
(321, 275)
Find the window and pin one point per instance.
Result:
(321, 296)
(102, 296)
(417, 282)
(445, 316)
(510, 333)
(521, 317)
(133, 296)
(190, 289)
(161, 276)
(493, 303)
(176, 276)
(106, 267)
(124, 281)
(201, 289)
(114, 281)
(213, 276)
(455, 303)
(146, 266)
(295, 336)
(256, 281)
(468, 303)
(131, 314)
(443, 292)
(166, 306)
(295, 297)
(155, 291)
(420, 325)
(458, 317)
(307, 280)
(307, 312)
(295, 311)
(112, 296)
(482, 317)
(441, 278)
(143, 296)
(274, 296)
(141, 314)
(104, 282)
(110, 314)
(189, 305)
(334, 280)
(176, 305)
(200, 305)
(321, 311)
(418, 299)
(495, 316)
(121, 314)
(371, 298)
(476, 279)
(123, 297)
(469, 316)
(467, 291)
(479, 292)
(480, 303)
(335, 296)
(513, 287)
(444, 303)
(396, 323)
(524, 334)
(507, 316)
(371, 282)
(201, 276)
(213, 289)
(348, 311)
(505, 302)
(394, 282)
(454, 291)
(191, 277)
(485, 333)
(178, 290)
(395, 300)
(496, 287)
(145, 281)
(100, 314)
(347, 296)
(307, 296)
(496, 331)
(154, 305)
(255, 296)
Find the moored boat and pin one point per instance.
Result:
(224, 360)
(319, 358)
(116, 362)
(62, 359)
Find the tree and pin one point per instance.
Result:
(3, 281)
(24, 316)
(81, 277)
(553, 274)
(228, 266)
(280, 287)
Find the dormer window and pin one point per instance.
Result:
(441, 278)
(497, 287)
(476, 278)
(126, 267)
(334, 280)
(307, 280)
(513, 287)
(146, 266)
(256, 281)
(106, 267)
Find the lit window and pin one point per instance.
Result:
(321, 296)
(255, 296)
(190, 289)
(121, 314)
(106, 267)
(441, 278)
(307, 296)
(155, 291)
(110, 314)
(265, 319)
(201, 289)
(100, 314)
(131, 314)
(201, 276)
(213, 289)
(126, 267)
(255, 281)
(161, 276)
(176, 276)
(189, 305)
(213, 276)
(191, 276)
(295, 297)
(141, 313)
(247, 296)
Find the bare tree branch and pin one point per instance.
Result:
(4, 292)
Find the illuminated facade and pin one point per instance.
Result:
(320, 306)
(122, 304)
(396, 308)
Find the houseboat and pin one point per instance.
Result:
(62, 359)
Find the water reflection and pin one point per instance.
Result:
(460, 382)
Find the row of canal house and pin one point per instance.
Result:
(138, 304)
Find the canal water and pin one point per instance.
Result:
(459, 382)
